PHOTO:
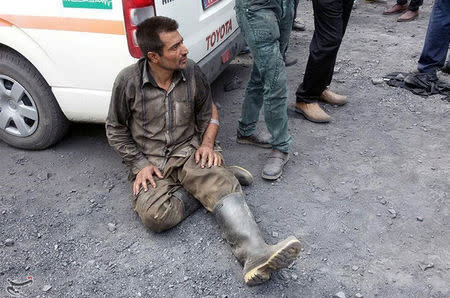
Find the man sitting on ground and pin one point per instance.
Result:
(163, 124)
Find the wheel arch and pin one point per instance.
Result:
(16, 40)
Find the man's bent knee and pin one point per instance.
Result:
(168, 215)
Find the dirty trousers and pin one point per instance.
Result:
(159, 209)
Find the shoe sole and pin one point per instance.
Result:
(408, 20)
(334, 103)
(275, 177)
(393, 13)
(282, 258)
(295, 109)
(245, 142)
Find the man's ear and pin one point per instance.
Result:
(153, 57)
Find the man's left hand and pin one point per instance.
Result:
(207, 157)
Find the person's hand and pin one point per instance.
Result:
(144, 175)
(207, 157)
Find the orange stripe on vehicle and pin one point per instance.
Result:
(4, 23)
(66, 24)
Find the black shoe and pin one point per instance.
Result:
(255, 139)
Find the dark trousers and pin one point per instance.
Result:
(330, 21)
(437, 39)
(295, 8)
(413, 5)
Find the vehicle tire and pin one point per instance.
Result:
(30, 117)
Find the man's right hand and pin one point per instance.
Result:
(144, 175)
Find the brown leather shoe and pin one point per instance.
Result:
(312, 112)
(408, 16)
(395, 9)
(330, 97)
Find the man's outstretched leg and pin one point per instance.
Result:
(242, 233)
(220, 193)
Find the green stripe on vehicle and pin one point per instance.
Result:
(93, 4)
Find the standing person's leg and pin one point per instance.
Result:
(253, 102)
(412, 12)
(437, 39)
(435, 47)
(293, 25)
(262, 33)
(328, 32)
(220, 193)
(253, 99)
(415, 5)
(345, 16)
(295, 8)
(296, 25)
(285, 24)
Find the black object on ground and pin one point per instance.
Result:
(424, 84)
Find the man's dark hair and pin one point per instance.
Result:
(148, 31)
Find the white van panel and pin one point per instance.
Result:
(197, 25)
(85, 60)
(18, 40)
(75, 103)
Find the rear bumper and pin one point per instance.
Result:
(212, 64)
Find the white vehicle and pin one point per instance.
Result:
(59, 58)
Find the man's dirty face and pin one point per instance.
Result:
(174, 55)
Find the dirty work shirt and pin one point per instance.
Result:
(266, 26)
(147, 124)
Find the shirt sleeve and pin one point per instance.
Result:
(117, 131)
(203, 101)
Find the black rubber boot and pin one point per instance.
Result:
(242, 233)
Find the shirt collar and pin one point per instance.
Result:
(147, 76)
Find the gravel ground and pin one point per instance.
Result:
(367, 195)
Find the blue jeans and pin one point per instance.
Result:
(437, 39)
(266, 31)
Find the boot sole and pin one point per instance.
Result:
(245, 142)
(282, 258)
(295, 109)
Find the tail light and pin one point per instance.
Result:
(134, 12)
